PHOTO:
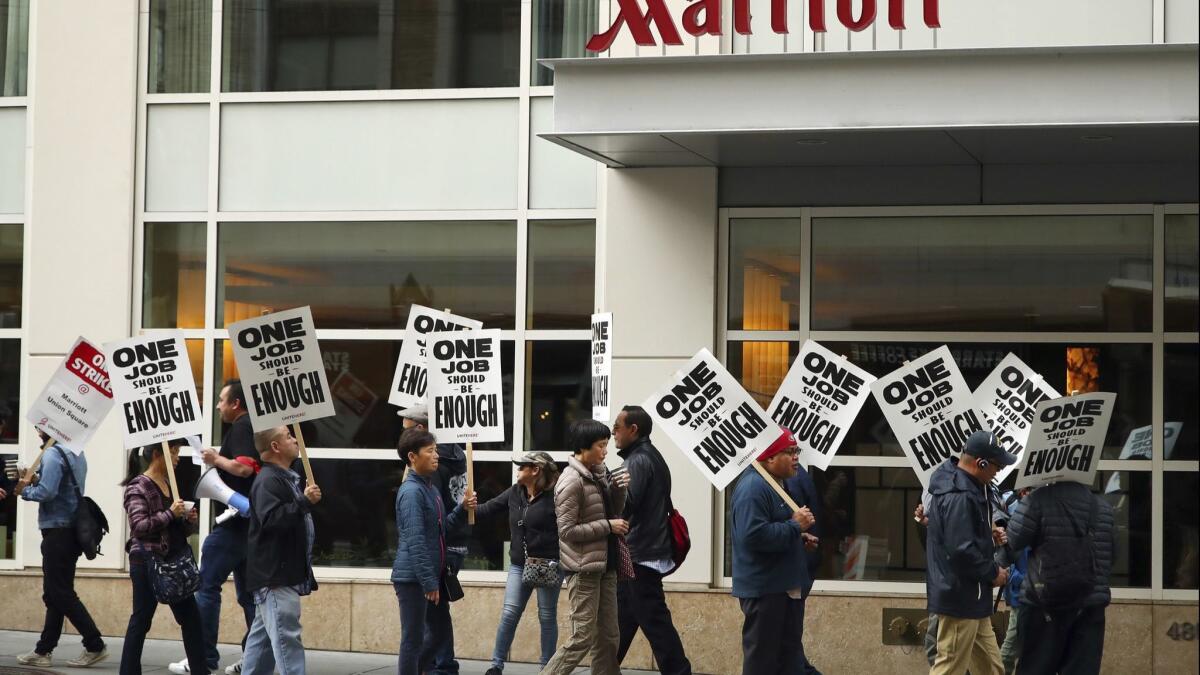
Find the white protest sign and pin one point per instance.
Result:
(602, 359)
(466, 388)
(1066, 440)
(704, 411)
(282, 372)
(818, 401)
(76, 398)
(930, 409)
(152, 380)
(410, 381)
(1140, 443)
(1007, 399)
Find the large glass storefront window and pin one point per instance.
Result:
(14, 47)
(173, 275)
(180, 50)
(561, 29)
(562, 273)
(1181, 278)
(12, 246)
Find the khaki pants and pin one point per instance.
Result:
(593, 597)
(966, 644)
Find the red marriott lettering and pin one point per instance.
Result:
(703, 17)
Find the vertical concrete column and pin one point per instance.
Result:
(83, 78)
(658, 239)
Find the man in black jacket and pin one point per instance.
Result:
(804, 492)
(640, 601)
(959, 551)
(279, 557)
(1063, 639)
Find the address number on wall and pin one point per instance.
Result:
(1182, 631)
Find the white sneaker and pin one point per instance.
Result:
(235, 669)
(180, 668)
(34, 659)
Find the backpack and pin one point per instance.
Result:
(1062, 574)
(90, 524)
(1016, 577)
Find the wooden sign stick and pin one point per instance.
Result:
(166, 450)
(308, 474)
(787, 499)
(471, 479)
(37, 460)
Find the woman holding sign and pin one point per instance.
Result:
(158, 529)
(588, 501)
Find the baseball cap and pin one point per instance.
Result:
(417, 413)
(533, 458)
(985, 445)
(786, 440)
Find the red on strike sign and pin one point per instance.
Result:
(87, 363)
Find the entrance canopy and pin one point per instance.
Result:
(1103, 105)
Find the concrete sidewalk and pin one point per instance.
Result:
(158, 653)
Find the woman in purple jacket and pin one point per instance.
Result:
(157, 527)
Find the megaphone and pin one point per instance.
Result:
(212, 487)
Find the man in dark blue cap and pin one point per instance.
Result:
(959, 551)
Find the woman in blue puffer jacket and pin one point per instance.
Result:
(418, 573)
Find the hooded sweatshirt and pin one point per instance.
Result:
(959, 550)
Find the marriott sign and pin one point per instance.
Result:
(703, 17)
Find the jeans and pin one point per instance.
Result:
(770, 635)
(1011, 649)
(274, 640)
(224, 552)
(1070, 642)
(439, 628)
(594, 631)
(144, 605)
(516, 596)
(642, 604)
(416, 652)
(60, 553)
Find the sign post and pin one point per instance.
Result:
(602, 360)
(1066, 440)
(282, 373)
(74, 401)
(1007, 399)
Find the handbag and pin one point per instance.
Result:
(173, 578)
(89, 524)
(538, 572)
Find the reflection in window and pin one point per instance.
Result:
(320, 45)
(180, 46)
(11, 258)
(14, 47)
(562, 273)
(10, 389)
(173, 275)
(195, 354)
(561, 29)
(367, 274)
(1181, 371)
(761, 366)
(1128, 492)
(8, 515)
(356, 523)
(559, 391)
(764, 274)
(489, 543)
(1182, 274)
(1181, 548)
(982, 273)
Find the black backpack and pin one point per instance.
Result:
(90, 523)
(1062, 572)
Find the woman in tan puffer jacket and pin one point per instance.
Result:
(588, 502)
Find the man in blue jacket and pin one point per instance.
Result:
(57, 492)
(770, 569)
(959, 551)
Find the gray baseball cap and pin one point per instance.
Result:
(417, 413)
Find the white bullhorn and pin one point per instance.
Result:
(212, 487)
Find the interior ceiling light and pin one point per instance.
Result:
(1095, 138)
(811, 141)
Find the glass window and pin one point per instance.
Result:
(488, 547)
(558, 177)
(1181, 371)
(195, 352)
(177, 157)
(12, 249)
(761, 366)
(173, 275)
(561, 29)
(562, 273)
(12, 159)
(360, 376)
(764, 274)
(318, 45)
(558, 391)
(1182, 282)
(180, 46)
(10, 390)
(367, 275)
(1181, 548)
(8, 513)
(14, 47)
(983, 273)
(1129, 494)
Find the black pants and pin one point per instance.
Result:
(771, 641)
(60, 553)
(187, 615)
(1070, 642)
(642, 604)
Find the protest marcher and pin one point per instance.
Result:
(1069, 532)
(279, 557)
(450, 480)
(1017, 563)
(640, 601)
(959, 551)
(419, 573)
(588, 502)
(57, 491)
(770, 565)
(224, 550)
(158, 527)
(533, 532)
(804, 492)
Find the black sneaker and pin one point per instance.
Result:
(494, 671)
